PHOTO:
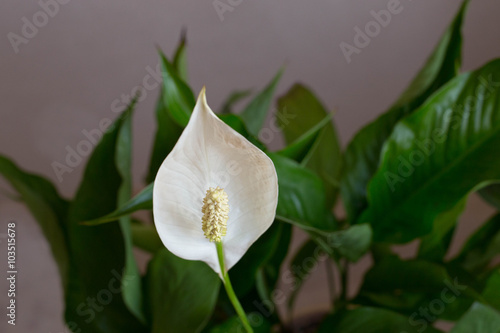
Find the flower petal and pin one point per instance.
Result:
(209, 153)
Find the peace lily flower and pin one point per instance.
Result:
(215, 194)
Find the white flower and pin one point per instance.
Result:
(213, 186)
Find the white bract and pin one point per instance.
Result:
(214, 185)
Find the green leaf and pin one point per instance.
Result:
(234, 325)
(180, 58)
(243, 274)
(232, 99)
(167, 134)
(132, 290)
(98, 254)
(353, 242)
(362, 156)
(142, 201)
(479, 319)
(416, 285)
(492, 195)
(481, 247)
(299, 112)
(46, 206)
(182, 294)
(453, 136)
(146, 237)
(301, 198)
(299, 149)
(491, 292)
(255, 113)
(434, 246)
(168, 130)
(371, 320)
(177, 96)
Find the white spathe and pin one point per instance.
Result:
(208, 154)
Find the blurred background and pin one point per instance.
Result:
(79, 65)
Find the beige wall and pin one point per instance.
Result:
(66, 77)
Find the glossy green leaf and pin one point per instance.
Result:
(371, 320)
(142, 201)
(299, 111)
(177, 96)
(46, 206)
(481, 247)
(301, 195)
(232, 99)
(454, 135)
(479, 319)
(254, 114)
(362, 156)
(434, 246)
(98, 254)
(182, 294)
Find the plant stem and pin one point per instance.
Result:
(230, 291)
(331, 281)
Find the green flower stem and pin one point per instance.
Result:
(229, 289)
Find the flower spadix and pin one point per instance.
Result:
(214, 186)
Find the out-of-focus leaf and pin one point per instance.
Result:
(491, 292)
(353, 242)
(182, 294)
(132, 290)
(371, 320)
(142, 201)
(98, 254)
(47, 207)
(234, 325)
(231, 100)
(146, 237)
(177, 96)
(454, 135)
(299, 112)
(255, 112)
(362, 156)
(492, 195)
(479, 319)
(301, 195)
(434, 246)
(180, 58)
(299, 149)
(481, 247)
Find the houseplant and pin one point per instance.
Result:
(405, 176)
